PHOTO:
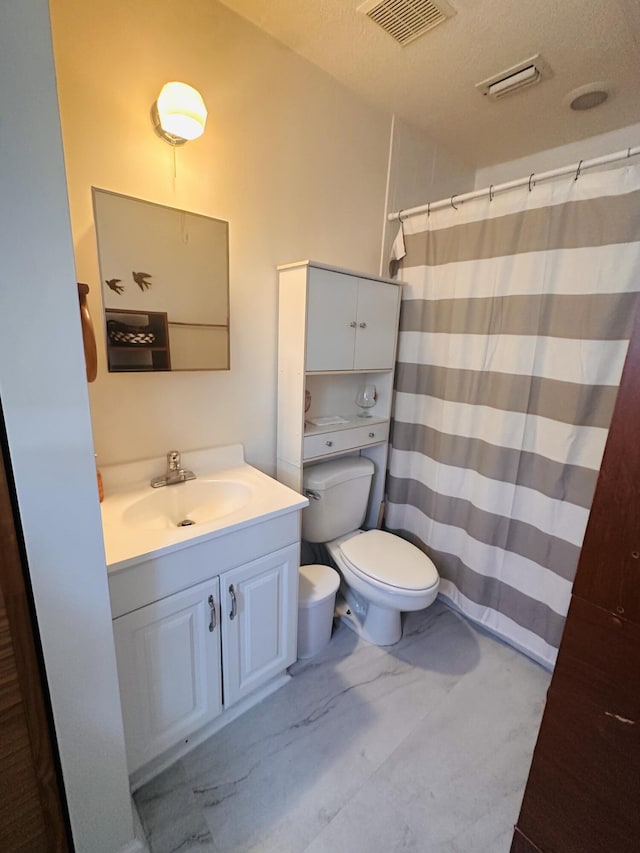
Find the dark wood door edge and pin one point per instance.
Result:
(16, 591)
(522, 844)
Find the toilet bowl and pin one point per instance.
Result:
(382, 574)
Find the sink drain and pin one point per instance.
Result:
(186, 522)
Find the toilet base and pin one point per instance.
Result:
(380, 626)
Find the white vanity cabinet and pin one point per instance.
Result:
(204, 617)
(172, 653)
(168, 656)
(337, 331)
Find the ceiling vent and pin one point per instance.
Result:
(406, 20)
(526, 73)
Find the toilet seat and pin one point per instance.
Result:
(389, 561)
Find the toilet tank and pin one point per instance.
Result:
(342, 489)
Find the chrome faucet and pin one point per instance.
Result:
(175, 472)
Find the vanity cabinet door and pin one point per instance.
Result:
(377, 320)
(331, 320)
(259, 621)
(168, 656)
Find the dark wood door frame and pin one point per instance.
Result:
(33, 816)
(583, 791)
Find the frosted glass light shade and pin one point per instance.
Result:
(181, 111)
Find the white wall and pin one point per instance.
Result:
(44, 397)
(419, 171)
(293, 160)
(564, 155)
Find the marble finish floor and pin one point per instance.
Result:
(423, 746)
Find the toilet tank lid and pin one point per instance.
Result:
(327, 474)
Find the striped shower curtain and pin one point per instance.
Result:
(515, 322)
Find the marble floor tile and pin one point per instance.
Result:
(456, 784)
(170, 816)
(426, 743)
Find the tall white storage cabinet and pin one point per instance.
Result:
(337, 331)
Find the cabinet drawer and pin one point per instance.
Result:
(326, 443)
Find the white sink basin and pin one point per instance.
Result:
(186, 504)
(140, 524)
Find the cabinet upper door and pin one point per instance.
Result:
(377, 318)
(331, 320)
(259, 621)
(168, 657)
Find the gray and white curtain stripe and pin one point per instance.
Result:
(514, 327)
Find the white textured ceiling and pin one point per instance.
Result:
(430, 83)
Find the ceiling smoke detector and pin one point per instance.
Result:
(407, 20)
(589, 96)
(589, 100)
(524, 74)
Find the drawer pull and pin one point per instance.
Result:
(212, 608)
(372, 435)
(363, 325)
(329, 443)
(353, 324)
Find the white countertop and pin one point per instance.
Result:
(127, 544)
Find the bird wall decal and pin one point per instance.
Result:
(114, 284)
(140, 279)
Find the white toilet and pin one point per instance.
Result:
(383, 575)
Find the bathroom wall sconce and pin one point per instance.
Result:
(179, 114)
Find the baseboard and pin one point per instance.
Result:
(134, 846)
(138, 829)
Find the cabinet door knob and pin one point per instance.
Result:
(234, 603)
(212, 608)
(372, 435)
(363, 325)
(329, 443)
(353, 324)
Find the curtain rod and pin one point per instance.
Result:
(531, 180)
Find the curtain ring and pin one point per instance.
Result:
(452, 204)
(491, 193)
(400, 217)
(628, 152)
(532, 183)
(578, 171)
(428, 209)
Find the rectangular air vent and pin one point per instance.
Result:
(406, 20)
(526, 73)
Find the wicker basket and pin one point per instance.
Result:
(120, 334)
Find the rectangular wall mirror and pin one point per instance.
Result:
(165, 285)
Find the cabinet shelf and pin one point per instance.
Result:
(354, 372)
(352, 422)
(141, 357)
(138, 348)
